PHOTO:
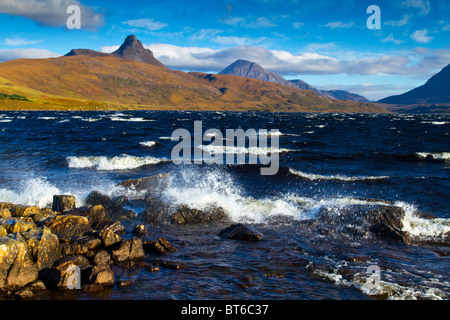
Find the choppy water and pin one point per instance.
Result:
(327, 160)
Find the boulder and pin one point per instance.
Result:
(240, 231)
(108, 237)
(63, 203)
(156, 211)
(17, 267)
(97, 216)
(102, 257)
(44, 247)
(63, 271)
(187, 215)
(149, 184)
(13, 225)
(68, 226)
(24, 211)
(3, 231)
(140, 230)
(114, 207)
(161, 246)
(382, 221)
(5, 213)
(128, 250)
(41, 217)
(100, 275)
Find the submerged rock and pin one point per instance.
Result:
(147, 184)
(240, 231)
(382, 221)
(186, 215)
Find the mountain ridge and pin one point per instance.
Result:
(435, 90)
(245, 68)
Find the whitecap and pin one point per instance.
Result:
(312, 176)
(123, 162)
(148, 144)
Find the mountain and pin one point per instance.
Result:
(435, 90)
(244, 68)
(84, 80)
(343, 95)
(131, 49)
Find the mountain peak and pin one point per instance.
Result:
(133, 49)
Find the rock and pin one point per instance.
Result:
(101, 275)
(168, 264)
(240, 231)
(185, 215)
(68, 226)
(156, 211)
(149, 184)
(24, 211)
(116, 227)
(169, 247)
(63, 270)
(140, 230)
(5, 213)
(3, 231)
(114, 207)
(154, 246)
(97, 217)
(44, 246)
(148, 266)
(102, 257)
(71, 249)
(17, 267)
(63, 203)
(382, 221)
(41, 217)
(129, 250)
(13, 225)
(108, 237)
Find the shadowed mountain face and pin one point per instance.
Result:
(131, 49)
(435, 90)
(253, 70)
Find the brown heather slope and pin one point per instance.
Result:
(108, 82)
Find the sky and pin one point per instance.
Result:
(325, 43)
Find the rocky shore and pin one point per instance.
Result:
(39, 247)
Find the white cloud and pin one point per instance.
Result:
(51, 13)
(11, 54)
(421, 36)
(339, 25)
(298, 25)
(390, 38)
(399, 23)
(423, 5)
(261, 22)
(148, 24)
(20, 42)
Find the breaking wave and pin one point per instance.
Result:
(123, 162)
(312, 176)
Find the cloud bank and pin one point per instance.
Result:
(52, 13)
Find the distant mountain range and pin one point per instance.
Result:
(132, 78)
(244, 68)
(435, 91)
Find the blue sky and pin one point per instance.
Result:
(325, 43)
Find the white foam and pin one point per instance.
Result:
(421, 228)
(130, 119)
(47, 118)
(36, 191)
(437, 156)
(312, 176)
(123, 162)
(6, 120)
(148, 144)
(242, 150)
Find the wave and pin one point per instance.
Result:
(130, 119)
(123, 162)
(313, 177)
(148, 144)
(242, 150)
(442, 156)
